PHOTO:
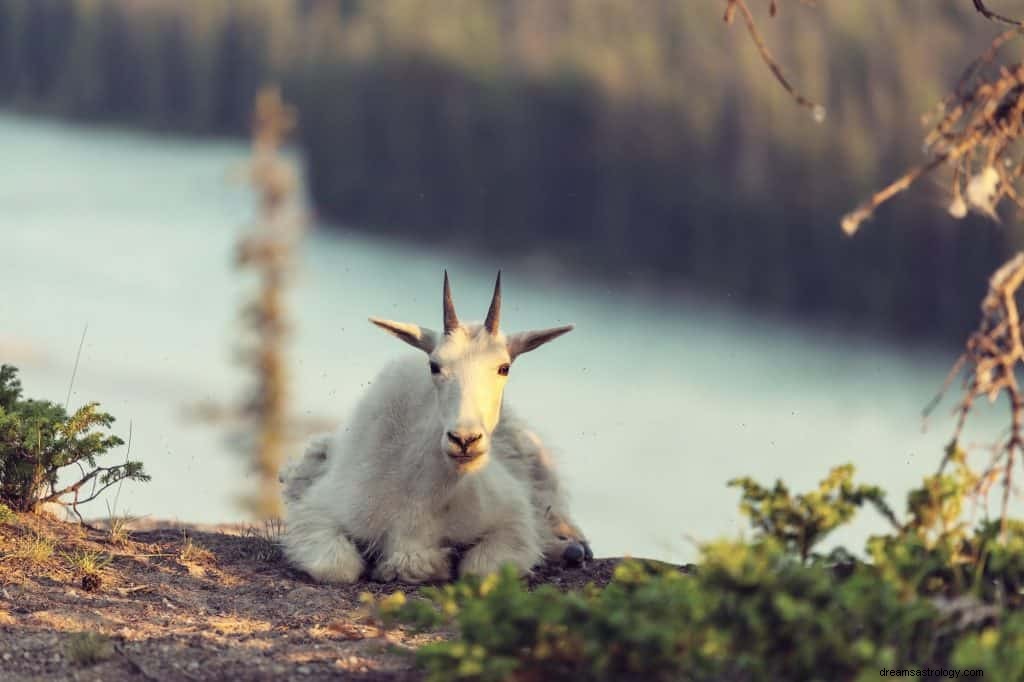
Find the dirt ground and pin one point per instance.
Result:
(169, 602)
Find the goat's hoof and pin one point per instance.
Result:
(486, 558)
(573, 554)
(576, 553)
(415, 567)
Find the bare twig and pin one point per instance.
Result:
(976, 135)
(117, 474)
(852, 220)
(74, 371)
(989, 14)
(766, 55)
(127, 454)
(989, 362)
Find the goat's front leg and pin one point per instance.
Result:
(515, 542)
(413, 552)
(317, 543)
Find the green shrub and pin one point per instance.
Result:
(801, 522)
(934, 594)
(751, 611)
(39, 438)
(999, 651)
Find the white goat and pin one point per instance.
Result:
(428, 462)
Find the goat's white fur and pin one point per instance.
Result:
(392, 483)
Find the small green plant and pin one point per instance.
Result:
(39, 438)
(999, 651)
(800, 522)
(936, 508)
(89, 562)
(31, 549)
(6, 515)
(88, 648)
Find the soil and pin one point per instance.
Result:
(177, 602)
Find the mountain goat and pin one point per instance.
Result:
(429, 461)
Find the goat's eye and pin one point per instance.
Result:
(435, 368)
(503, 370)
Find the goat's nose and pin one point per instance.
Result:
(464, 439)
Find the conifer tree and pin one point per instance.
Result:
(39, 439)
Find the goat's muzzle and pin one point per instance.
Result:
(464, 447)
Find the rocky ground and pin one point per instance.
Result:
(169, 602)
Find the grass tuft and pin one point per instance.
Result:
(87, 648)
(265, 541)
(34, 549)
(192, 551)
(118, 530)
(89, 562)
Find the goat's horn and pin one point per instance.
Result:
(451, 320)
(494, 312)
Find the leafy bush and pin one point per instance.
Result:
(804, 521)
(39, 438)
(933, 595)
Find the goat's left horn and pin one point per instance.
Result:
(451, 320)
(494, 312)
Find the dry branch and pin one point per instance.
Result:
(977, 135)
(989, 14)
(980, 121)
(989, 363)
(816, 109)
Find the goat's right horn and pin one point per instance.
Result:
(494, 313)
(451, 320)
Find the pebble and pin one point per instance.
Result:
(303, 670)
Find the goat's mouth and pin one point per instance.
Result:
(467, 460)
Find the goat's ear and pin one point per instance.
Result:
(413, 334)
(524, 342)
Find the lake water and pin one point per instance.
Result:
(652, 404)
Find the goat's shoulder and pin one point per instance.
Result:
(388, 415)
(405, 376)
(514, 445)
(523, 453)
(512, 438)
(397, 393)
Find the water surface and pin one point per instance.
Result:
(652, 404)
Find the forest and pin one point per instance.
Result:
(583, 133)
